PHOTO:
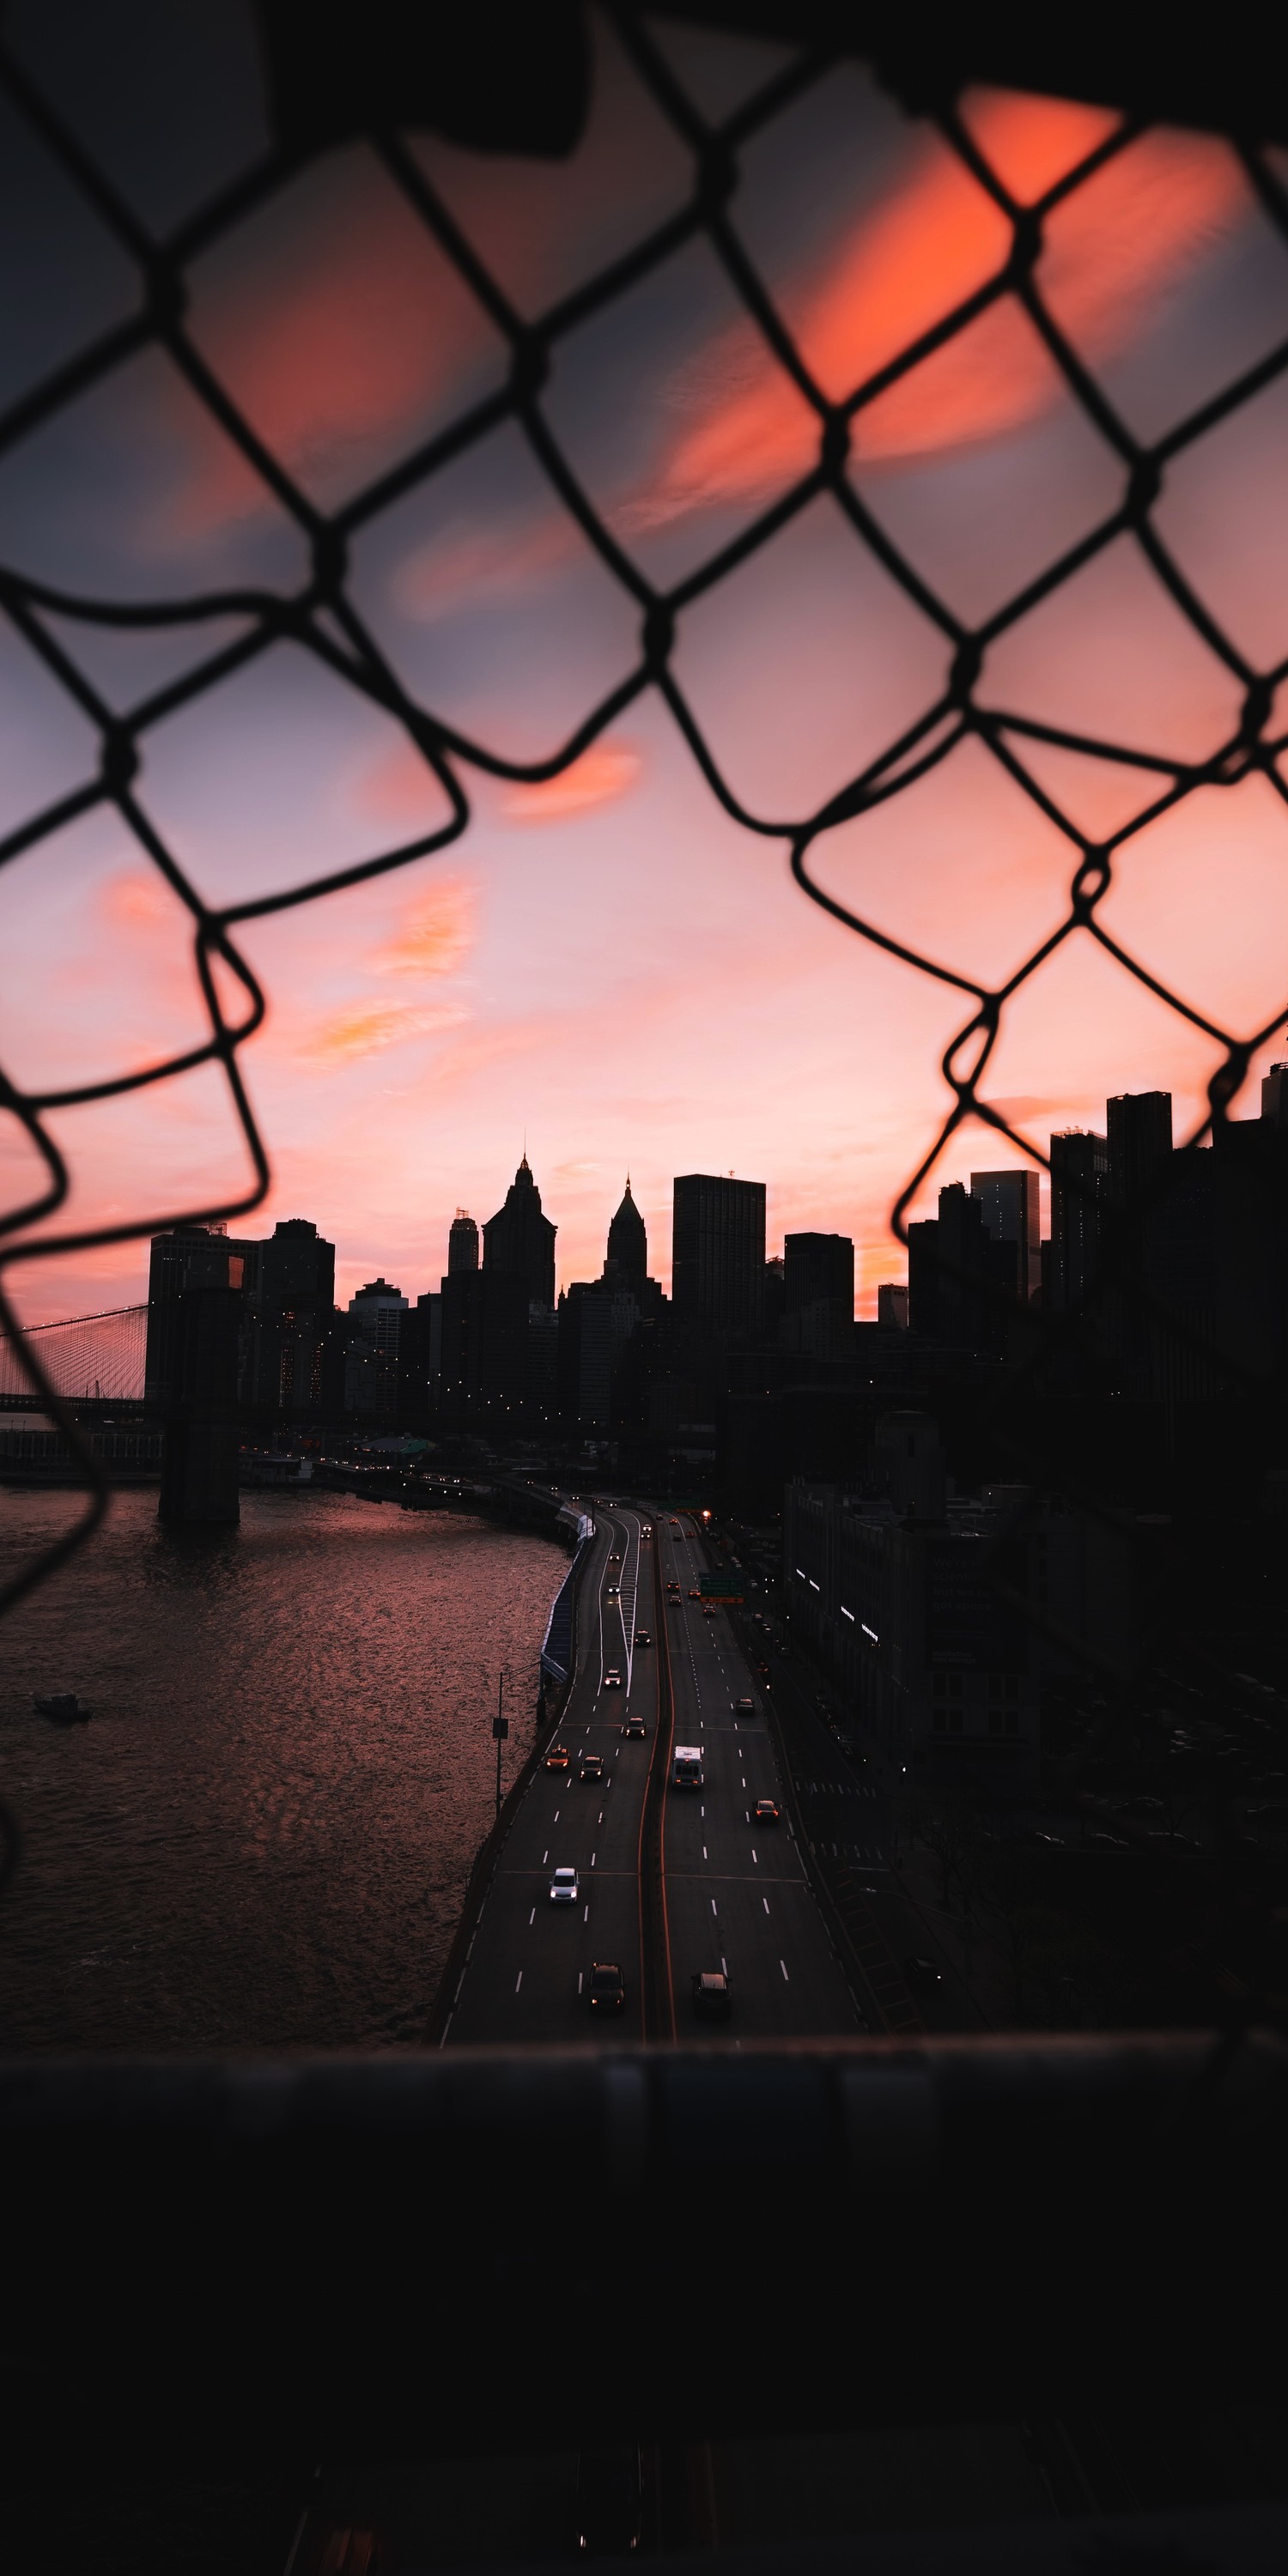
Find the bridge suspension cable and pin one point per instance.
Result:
(87, 1356)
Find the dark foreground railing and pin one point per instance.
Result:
(434, 2253)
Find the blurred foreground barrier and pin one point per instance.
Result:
(487, 2249)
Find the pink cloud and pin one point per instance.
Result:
(601, 773)
(1119, 240)
(337, 326)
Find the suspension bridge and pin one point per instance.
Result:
(92, 1359)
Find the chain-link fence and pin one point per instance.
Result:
(323, 619)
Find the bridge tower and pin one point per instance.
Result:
(194, 1323)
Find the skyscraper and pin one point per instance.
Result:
(1011, 1205)
(372, 1372)
(818, 1294)
(627, 1263)
(1140, 1142)
(290, 1362)
(718, 1255)
(954, 1272)
(520, 1240)
(1079, 1181)
(462, 1243)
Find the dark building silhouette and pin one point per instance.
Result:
(484, 1348)
(1140, 1144)
(626, 1265)
(818, 1294)
(420, 1353)
(1011, 1204)
(372, 1363)
(718, 1256)
(292, 1356)
(775, 1298)
(892, 1304)
(954, 1273)
(1079, 1188)
(462, 1243)
(597, 1320)
(519, 1239)
(195, 1311)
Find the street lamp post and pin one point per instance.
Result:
(500, 1729)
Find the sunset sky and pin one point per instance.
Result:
(608, 967)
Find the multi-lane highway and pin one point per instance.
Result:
(721, 1892)
(528, 1968)
(736, 1894)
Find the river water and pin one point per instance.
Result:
(263, 1837)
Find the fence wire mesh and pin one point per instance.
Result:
(323, 618)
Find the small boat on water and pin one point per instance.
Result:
(64, 1707)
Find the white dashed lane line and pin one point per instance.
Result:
(783, 1965)
(518, 1981)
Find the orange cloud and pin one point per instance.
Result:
(369, 1031)
(477, 563)
(599, 774)
(134, 899)
(337, 325)
(435, 934)
(1117, 241)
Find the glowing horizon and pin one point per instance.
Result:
(606, 960)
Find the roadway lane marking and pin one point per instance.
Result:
(601, 1819)
(544, 1858)
(754, 1859)
(556, 1816)
(713, 1905)
(783, 1965)
(532, 1918)
(765, 1902)
(704, 1851)
(592, 1860)
(580, 1973)
(518, 1981)
(586, 1915)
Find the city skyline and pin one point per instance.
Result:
(609, 949)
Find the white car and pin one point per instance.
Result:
(565, 1887)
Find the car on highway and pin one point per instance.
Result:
(712, 2000)
(565, 1887)
(614, 1592)
(558, 1758)
(592, 1767)
(675, 1524)
(708, 1609)
(744, 1708)
(609, 2518)
(646, 1530)
(694, 1594)
(607, 1987)
(925, 1969)
(612, 1678)
(642, 1637)
(765, 1812)
(635, 1727)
